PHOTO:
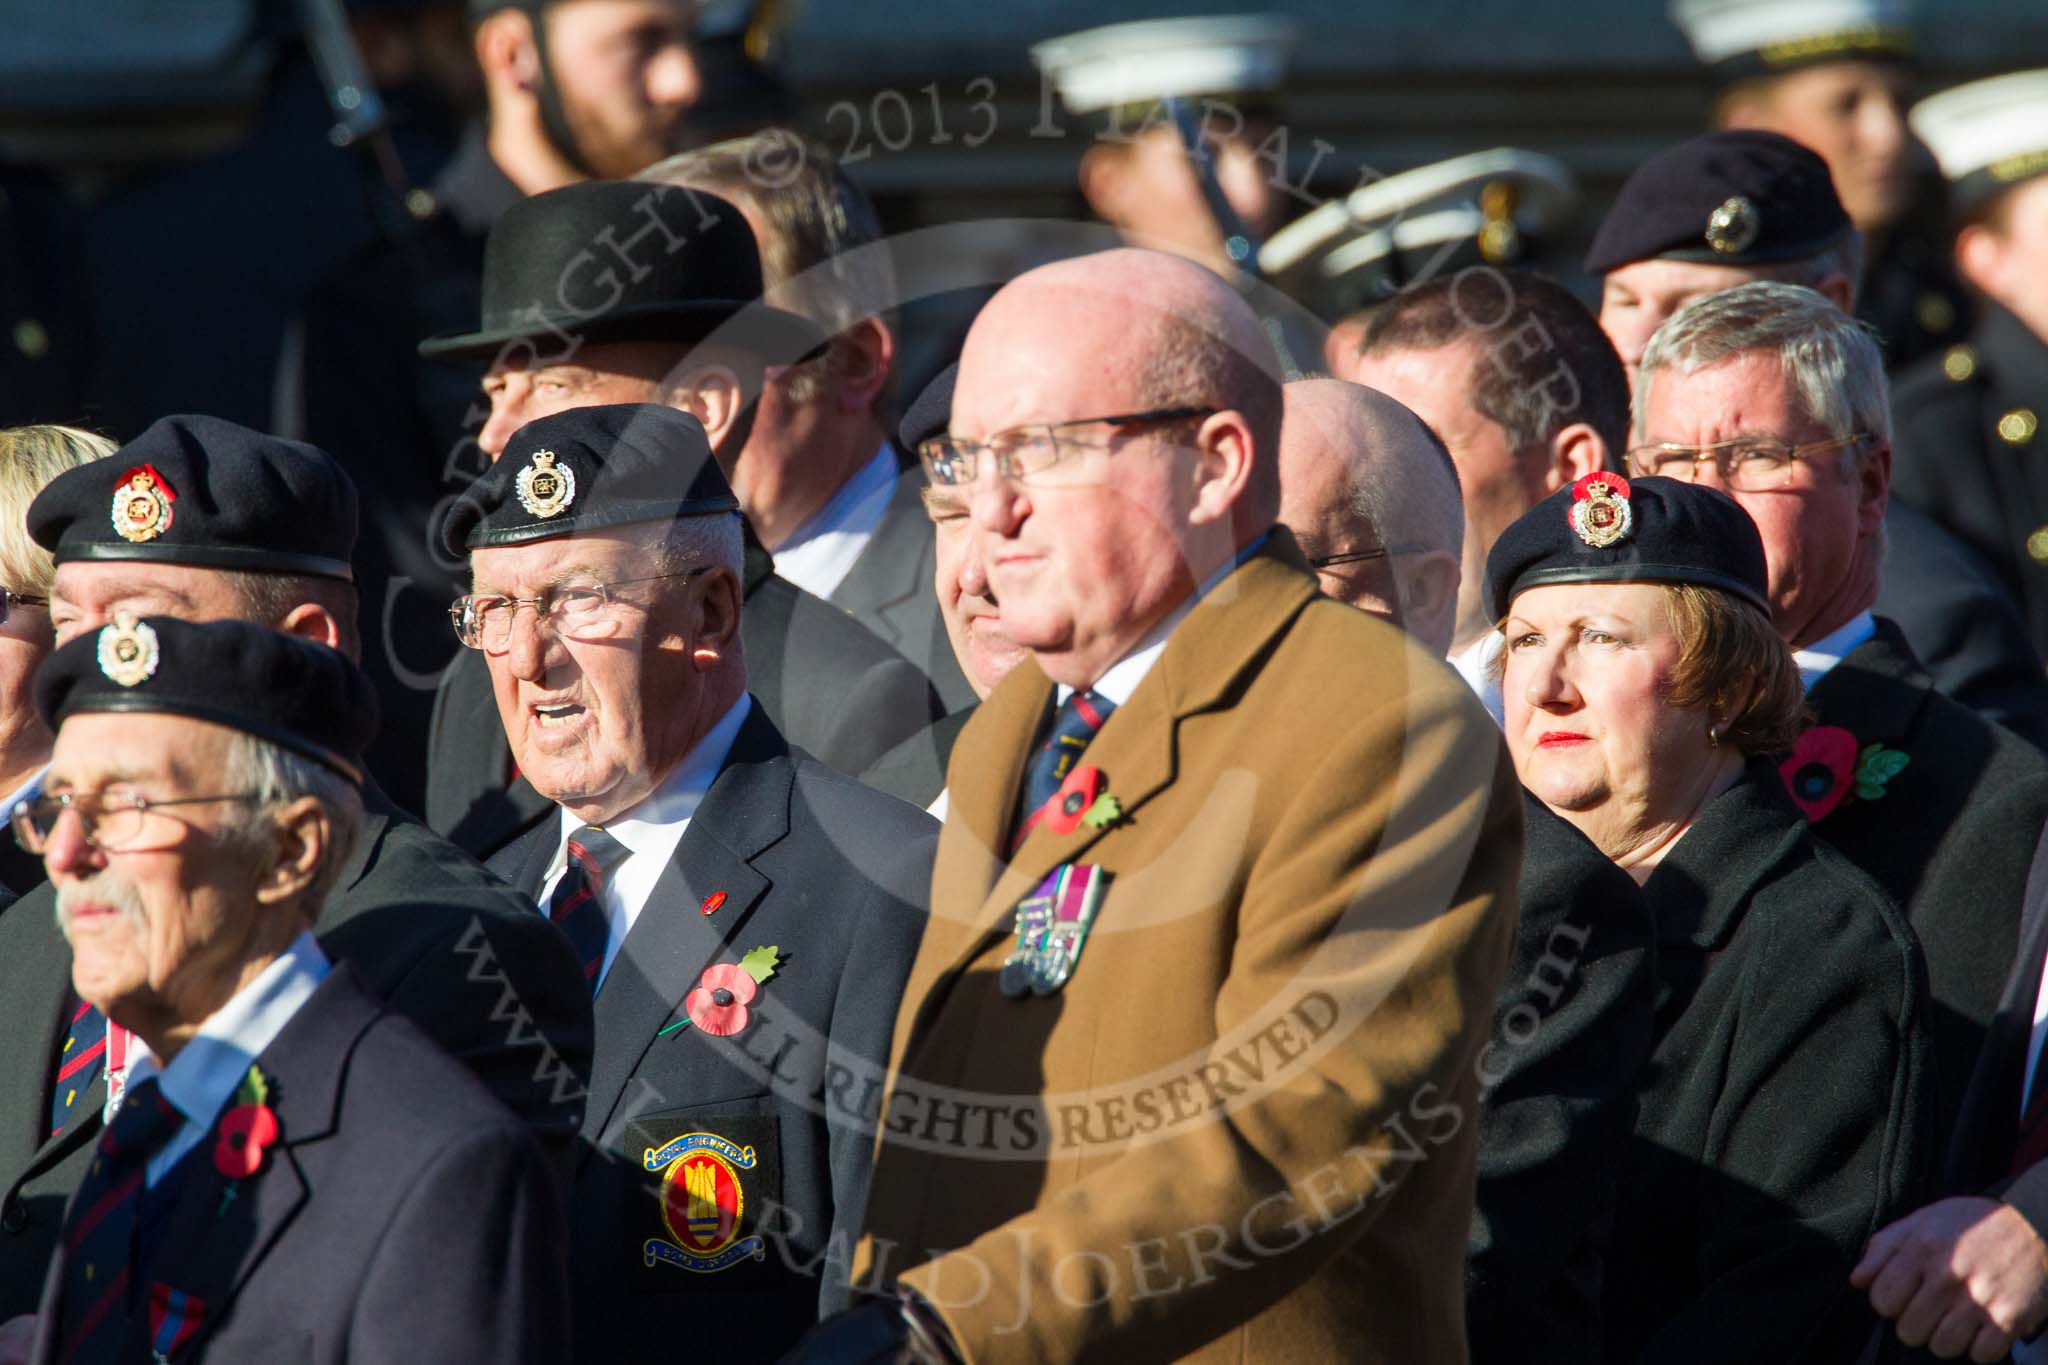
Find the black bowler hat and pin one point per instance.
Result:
(305, 696)
(1608, 529)
(931, 412)
(588, 469)
(204, 492)
(1740, 197)
(624, 261)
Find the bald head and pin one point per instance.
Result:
(1358, 472)
(1085, 556)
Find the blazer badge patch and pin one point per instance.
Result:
(703, 1200)
(1052, 925)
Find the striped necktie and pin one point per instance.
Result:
(1073, 725)
(79, 1061)
(577, 905)
(99, 1229)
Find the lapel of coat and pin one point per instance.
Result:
(212, 1242)
(893, 567)
(37, 966)
(745, 811)
(1876, 691)
(1137, 749)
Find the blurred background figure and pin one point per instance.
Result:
(1836, 76)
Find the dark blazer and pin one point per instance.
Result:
(426, 930)
(1968, 445)
(1962, 624)
(1950, 839)
(834, 876)
(403, 1214)
(20, 871)
(891, 588)
(835, 690)
(915, 770)
(1571, 1034)
(1786, 1114)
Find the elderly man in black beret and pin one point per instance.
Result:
(631, 293)
(1731, 207)
(294, 1171)
(745, 916)
(205, 520)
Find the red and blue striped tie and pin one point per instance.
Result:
(577, 905)
(79, 1063)
(95, 1312)
(1073, 725)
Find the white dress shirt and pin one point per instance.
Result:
(203, 1077)
(822, 552)
(1823, 654)
(650, 831)
(1475, 665)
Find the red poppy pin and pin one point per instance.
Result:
(1600, 510)
(1827, 769)
(718, 1005)
(246, 1132)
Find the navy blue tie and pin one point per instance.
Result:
(99, 1229)
(577, 905)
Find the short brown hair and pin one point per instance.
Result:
(1732, 662)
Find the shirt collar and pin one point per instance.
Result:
(206, 1072)
(1121, 678)
(857, 508)
(27, 791)
(1823, 654)
(675, 801)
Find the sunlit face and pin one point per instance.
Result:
(609, 372)
(1818, 529)
(1636, 298)
(88, 594)
(974, 621)
(2008, 259)
(1853, 113)
(596, 724)
(1587, 668)
(626, 77)
(158, 932)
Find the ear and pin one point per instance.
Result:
(1223, 468)
(301, 838)
(713, 395)
(863, 358)
(1102, 181)
(718, 619)
(1428, 586)
(311, 621)
(1980, 258)
(1874, 486)
(1743, 107)
(1575, 452)
(507, 54)
(1839, 290)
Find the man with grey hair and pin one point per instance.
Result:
(745, 916)
(834, 500)
(1372, 498)
(1770, 392)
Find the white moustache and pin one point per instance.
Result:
(104, 889)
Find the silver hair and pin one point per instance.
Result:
(1832, 360)
(277, 777)
(692, 542)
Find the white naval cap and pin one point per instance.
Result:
(1353, 252)
(1740, 38)
(1156, 59)
(1987, 135)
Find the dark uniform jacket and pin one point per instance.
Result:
(915, 770)
(763, 1136)
(425, 929)
(1571, 1033)
(890, 588)
(1962, 623)
(402, 1213)
(1949, 840)
(1785, 1113)
(836, 691)
(1910, 293)
(1969, 452)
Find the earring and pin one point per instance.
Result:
(1714, 736)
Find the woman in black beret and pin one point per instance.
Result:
(1785, 1114)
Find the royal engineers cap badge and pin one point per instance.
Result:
(142, 505)
(128, 650)
(703, 1204)
(1600, 512)
(545, 488)
(1733, 227)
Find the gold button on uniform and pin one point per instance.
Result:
(31, 338)
(2017, 427)
(1959, 362)
(1934, 312)
(2037, 545)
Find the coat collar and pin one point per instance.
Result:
(1877, 691)
(1227, 635)
(38, 966)
(1703, 887)
(896, 564)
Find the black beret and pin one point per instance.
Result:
(930, 412)
(304, 696)
(205, 492)
(1741, 197)
(587, 469)
(1608, 529)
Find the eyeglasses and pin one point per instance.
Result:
(112, 824)
(1360, 556)
(1030, 454)
(10, 599)
(580, 612)
(1746, 464)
